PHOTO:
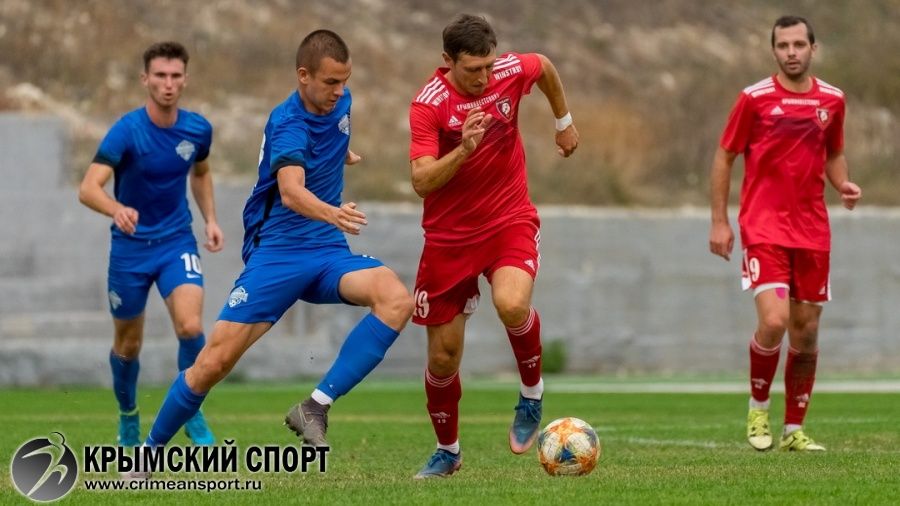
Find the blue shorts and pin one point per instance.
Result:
(134, 265)
(276, 277)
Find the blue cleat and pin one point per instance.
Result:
(526, 425)
(129, 429)
(197, 429)
(441, 465)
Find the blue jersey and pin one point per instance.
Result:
(319, 144)
(151, 165)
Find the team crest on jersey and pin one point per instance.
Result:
(114, 300)
(238, 295)
(344, 124)
(504, 107)
(185, 150)
(824, 116)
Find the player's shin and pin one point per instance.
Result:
(188, 349)
(799, 377)
(125, 375)
(180, 405)
(361, 352)
(443, 395)
(526, 345)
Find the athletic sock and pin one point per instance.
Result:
(124, 376)
(443, 395)
(361, 352)
(799, 377)
(526, 344)
(188, 349)
(763, 363)
(180, 404)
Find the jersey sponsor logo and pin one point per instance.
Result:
(114, 300)
(824, 116)
(776, 111)
(763, 91)
(800, 101)
(502, 74)
(453, 122)
(185, 149)
(478, 103)
(504, 107)
(344, 124)
(238, 295)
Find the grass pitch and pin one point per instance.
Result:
(657, 448)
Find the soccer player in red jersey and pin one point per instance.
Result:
(468, 163)
(789, 128)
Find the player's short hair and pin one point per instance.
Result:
(169, 49)
(788, 21)
(469, 34)
(321, 44)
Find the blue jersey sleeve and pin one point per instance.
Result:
(113, 147)
(206, 145)
(289, 142)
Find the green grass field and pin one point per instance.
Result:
(657, 448)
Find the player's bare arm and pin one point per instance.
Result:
(202, 189)
(839, 175)
(295, 196)
(551, 85)
(352, 158)
(92, 194)
(430, 173)
(721, 236)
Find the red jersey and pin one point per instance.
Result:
(490, 189)
(785, 138)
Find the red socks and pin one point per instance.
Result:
(799, 376)
(763, 363)
(526, 345)
(443, 396)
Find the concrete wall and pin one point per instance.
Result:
(626, 291)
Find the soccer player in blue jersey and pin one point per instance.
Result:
(295, 249)
(152, 151)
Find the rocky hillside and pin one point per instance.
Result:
(650, 83)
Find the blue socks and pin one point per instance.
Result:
(188, 349)
(361, 352)
(179, 406)
(125, 375)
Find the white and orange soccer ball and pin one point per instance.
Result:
(568, 447)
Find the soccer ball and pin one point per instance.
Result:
(568, 447)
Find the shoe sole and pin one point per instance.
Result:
(430, 476)
(518, 449)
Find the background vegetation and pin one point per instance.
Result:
(650, 83)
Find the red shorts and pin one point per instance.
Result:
(447, 282)
(803, 272)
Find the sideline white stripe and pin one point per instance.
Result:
(890, 386)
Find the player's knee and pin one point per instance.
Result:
(128, 349)
(807, 332)
(443, 362)
(210, 370)
(773, 324)
(512, 311)
(396, 307)
(188, 327)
